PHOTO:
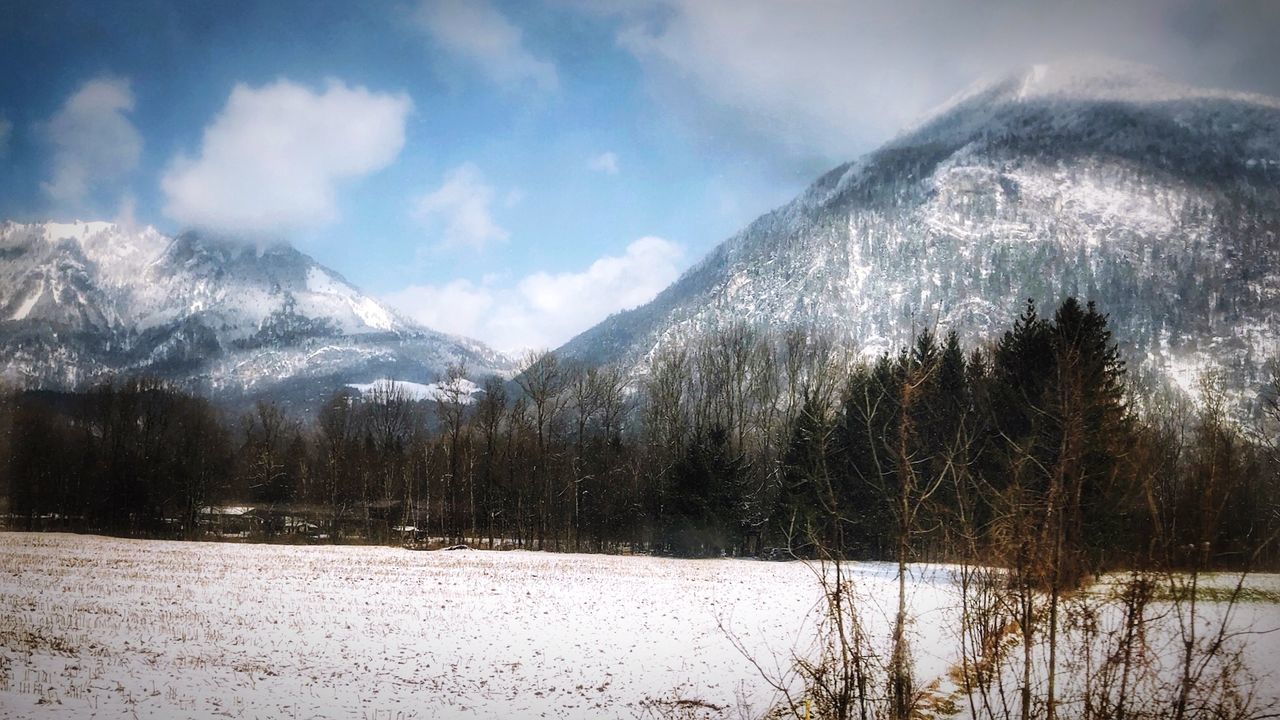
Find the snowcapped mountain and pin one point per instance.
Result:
(1159, 201)
(82, 301)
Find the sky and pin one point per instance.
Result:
(517, 171)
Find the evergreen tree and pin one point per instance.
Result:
(1087, 399)
(698, 514)
(809, 500)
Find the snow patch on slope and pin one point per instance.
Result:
(1034, 77)
(25, 308)
(366, 309)
(465, 389)
(75, 230)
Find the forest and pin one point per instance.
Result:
(746, 442)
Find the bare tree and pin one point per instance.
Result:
(543, 381)
(338, 436)
(491, 411)
(451, 405)
(266, 434)
(390, 420)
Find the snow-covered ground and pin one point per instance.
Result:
(108, 628)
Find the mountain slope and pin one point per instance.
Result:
(82, 301)
(1160, 202)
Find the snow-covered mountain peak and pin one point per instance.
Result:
(372, 314)
(75, 229)
(1100, 79)
(1093, 79)
(1103, 181)
(1128, 113)
(118, 252)
(79, 300)
(1075, 83)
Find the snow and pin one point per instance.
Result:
(153, 629)
(226, 510)
(1108, 205)
(1186, 372)
(76, 230)
(1035, 76)
(465, 389)
(107, 627)
(996, 198)
(25, 308)
(276, 314)
(119, 254)
(1099, 78)
(132, 267)
(1251, 627)
(370, 312)
(1107, 79)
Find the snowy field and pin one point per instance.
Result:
(94, 627)
(108, 628)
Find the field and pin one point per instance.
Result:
(124, 628)
(107, 628)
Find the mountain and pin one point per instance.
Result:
(1157, 200)
(83, 301)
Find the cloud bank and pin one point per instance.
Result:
(272, 160)
(824, 80)
(544, 310)
(94, 142)
(460, 210)
(477, 32)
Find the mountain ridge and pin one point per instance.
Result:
(85, 301)
(1161, 204)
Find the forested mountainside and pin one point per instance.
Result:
(1158, 201)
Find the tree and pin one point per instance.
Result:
(451, 406)
(697, 520)
(390, 421)
(202, 448)
(491, 411)
(339, 446)
(543, 382)
(264, 452)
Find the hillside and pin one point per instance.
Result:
(1159, 201)
(80, 302)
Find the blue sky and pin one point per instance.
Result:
(515, 171)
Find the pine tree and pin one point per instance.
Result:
(1087, 398)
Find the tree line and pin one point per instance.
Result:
(1036, 445)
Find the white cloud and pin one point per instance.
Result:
(606, 162)
(543, 310)
(126, 214)
(824, 80)
(460, 307)
(273, 159)
(796, 74)
(478, 32)
(95, 145)
(462, 206)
